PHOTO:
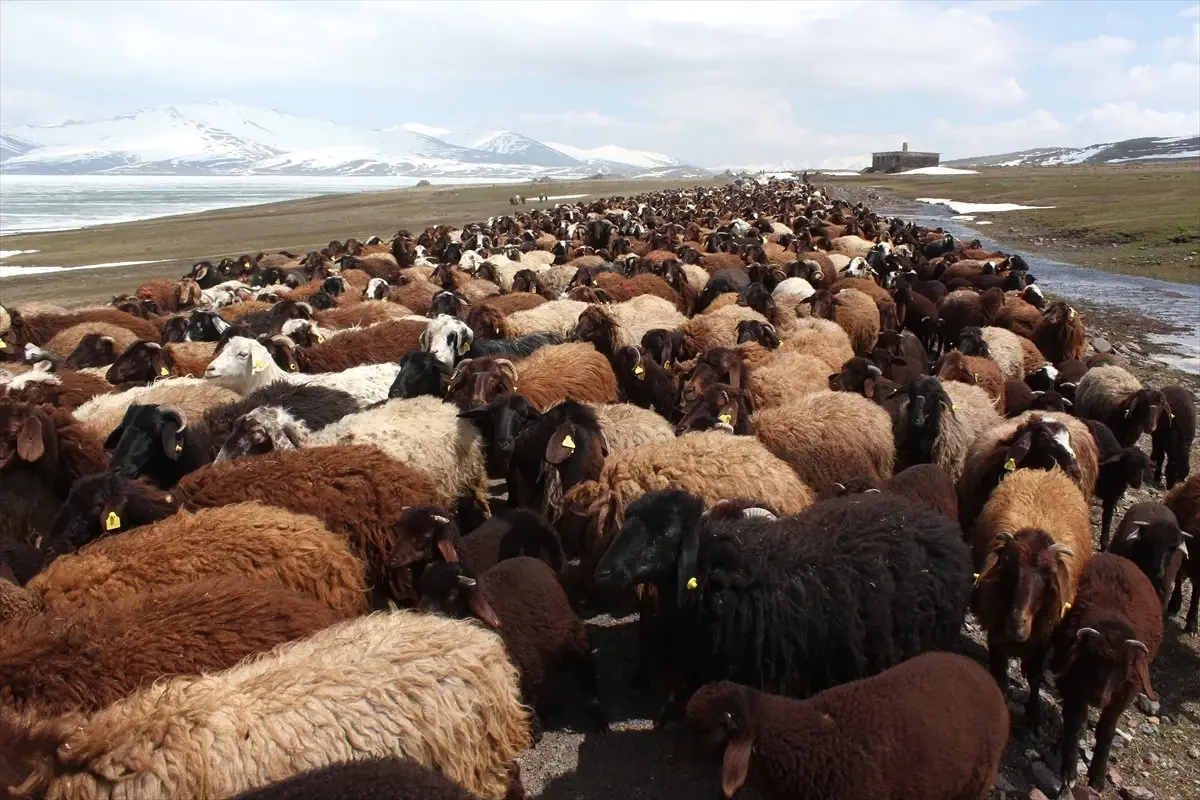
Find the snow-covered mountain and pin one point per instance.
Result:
(1145, 149)
(224, 139)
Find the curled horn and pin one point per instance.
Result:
(1092, 632)
(1136, 644)
(1063, 549)
(466, 581)
(177, 412)
(1005, 537)
(507, 368)
(755, 512)
(874, 371)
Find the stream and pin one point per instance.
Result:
(1174, 304)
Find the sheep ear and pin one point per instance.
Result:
(110, 514)
(1018, 450)
(172, 442)
(30, 446)
(561, 445)
(446, 548)
(735, 766)
(1062, 580)
(481, 608)
(869, 388)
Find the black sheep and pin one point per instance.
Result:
(375, 779)
(753, 330)
(934, 726)
(315, 406)
(644, 383)
(522, 599)
(1172, 439)
(103, 504)
(421, 373)
(723, 281)
(666, 347)
(157, 442)
(1121, 468)
(512, 348)
(797, 605)
(509, 533)
(1149, 535)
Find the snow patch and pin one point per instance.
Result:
(939, 171)
(425, 130)
(1187, 154)
(963, 217)
(840, 174)
(613, 153)
(11, 253)
(959, 207)
(13, 272)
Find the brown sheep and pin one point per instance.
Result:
(933, 726)
(42, 328)
(1103, 649)
(1184, 502)
(68, 390)
(357, 491)
(717, 328)
(517, 301)
(1060, 333)
(92, 656)
(378, 344)
(829, 437)
(973, 371)
(545, 378)
(368, 312)
(821, 338)
(1031, 543)
(65, 341)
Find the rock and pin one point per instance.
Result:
(1194, 752)
(1148, 729)
(1088, 753)
(1084, 792)
(1045, 779)
(1136, 793)
(1003, 784)
(1037, 794)
(1153, 720)
(1148, 706)
(1102, 346)
(1151, 759)
(1114, 776)
(1128, 737)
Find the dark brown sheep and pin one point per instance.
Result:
(92, 656)
(1184, 502)
(358, 491)
(375, 779)
(1060, 333)
(1103, 649)
(41, 328)
(68, 390)
(379, 344)
(933, 726)
(974, 371)
(927, 484)
(522, 599)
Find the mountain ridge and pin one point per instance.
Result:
(1145, 148)
(221, 138)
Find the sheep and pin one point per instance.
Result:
(973, 371)
(95, 350)
(146, 362)
(448, 338)
(422, 432)
(710, 465)
(373, 778)
(934, 726)
(1172, 441)
(1149, 536)
(643, 382)
(245, 366)
(253, 723)
(784, 378)
(1003, 347)
(102, 414)
(821, 338)
(619, 325)
(156, 441)
(358, 491)
(749, 600)
(314, 406)
(828, 437)
(1184, 502)
(1103, 649)
(1120, 469)
(966, 308)
(67, 341)
(858, 315)
(378, 344)
(1035, 440)
(926, 484)
(1115, 397)
(41, 328)
(523, 601)
(627, 426)
(68, 390)
(181, 629)
(1060, 333)
(557, 316)
(548, 376)
(1031, 542)
(716, 329)
(942, 422)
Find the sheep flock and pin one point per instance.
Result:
(333, 524)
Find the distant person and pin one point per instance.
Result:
(804, 178)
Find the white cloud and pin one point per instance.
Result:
(570, 119)
(1129, 120)
(1092, 51)
(1192, 12)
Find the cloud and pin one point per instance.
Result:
(1092, 51)
(570, 119)
(1129, 120)
(1192, 12)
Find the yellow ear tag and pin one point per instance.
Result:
(112, 521)
(640, 371)
(1010, 465)
(3, 346)
(164, 372)
(568, 442)
(292, 367)
(169, 499)
(463, 348)
(726, 419)
(976, 579)
(178, 448)
(1128, 411)
(667, 364)
(495, 331)
(693, 584)
(320, 339)
(259, 366)
(952, 408)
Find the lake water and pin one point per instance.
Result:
(64, 202)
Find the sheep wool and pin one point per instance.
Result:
(439, 692)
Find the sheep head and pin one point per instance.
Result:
(1159, 547)
(420, 374)
(718, 365)
(525, 280)
(263, 430)
(1143, 409)
(93, 350)
(971, 343)
(658, 540)
(664, 346)
(1024, 586)
(500, 421)
(432, 529)
(142, 362)
(487, 323)
(753, 330)
(448, 338)
(145, 437)
(719, 407)
(822, 304)
(29, 435)
(554, 453)
(188, 293)
(858, 375)
(1103, 657)
(719, 719)
(446, 588)
(597, 327)
(104, 504)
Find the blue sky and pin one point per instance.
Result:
(714, 83)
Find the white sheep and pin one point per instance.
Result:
(448, 338)
(245, 365)
(793, 287)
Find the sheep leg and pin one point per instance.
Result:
(1106, 728)
(1176, 597)
(585, 669)
(1032, 665)
(1106, 518)
(1074, 720)
(1159, 457)
(998, 663)
(1190, 625)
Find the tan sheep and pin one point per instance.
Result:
(821, 338)
(194, 396)
(65, 341)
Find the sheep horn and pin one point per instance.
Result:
(1063, 549)
(440, 520)
(1088, 631)
(874, 371)
(1138, 645)
(506, 367)
(755, 512)
(463, 580)
(177, 412)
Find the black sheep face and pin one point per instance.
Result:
(420, 374)
(501, 422)
(205, 326)
(146, 441)
(647, 548)
(96, 351)
(445, 588)
(96, 506)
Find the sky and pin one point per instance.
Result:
(712, 83)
